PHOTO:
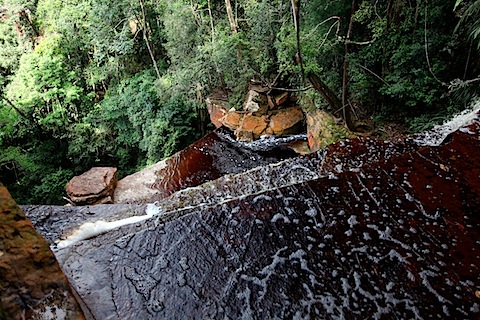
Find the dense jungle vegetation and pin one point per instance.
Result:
(100, 82)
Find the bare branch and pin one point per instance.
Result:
(426, 52)
(291, 90)
(231, 19)
(374, 74)
(145, 37)
(296, 21)
(337, 18)
(360, 43)
(330, 30)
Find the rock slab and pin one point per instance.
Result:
(211, 157)
(32, 285)
(390, 235)
(96, 186)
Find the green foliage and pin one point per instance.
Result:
(138, 118)
(8, 118)
(30, 179)
(79, 73)
(470, 19)
(171, 130)
(46, 88)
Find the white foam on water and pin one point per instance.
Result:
(437, 135)
(266, 142)
(92, 229)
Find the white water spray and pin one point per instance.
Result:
(437, 135)
(92, 229)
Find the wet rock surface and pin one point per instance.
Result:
(32, 285)
(213, 156)
(57, 222)
(363, 229)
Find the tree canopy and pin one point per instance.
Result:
(123, 83)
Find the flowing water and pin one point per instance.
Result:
(361, 229)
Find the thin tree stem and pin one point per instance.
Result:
(145, 37)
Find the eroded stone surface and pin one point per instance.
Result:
(32, 286)
(96, 186)
(265, 112)
(322, 129)
(217, 110)
(207, 159)
(363, 229)
(284, 120)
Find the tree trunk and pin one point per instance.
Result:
(211, 21)
(296, 22)
(145, 37)
(345, 103)
(233, 25)
(331, 98)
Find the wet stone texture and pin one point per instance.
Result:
(32, 286)
(207, 159)
(374, 230)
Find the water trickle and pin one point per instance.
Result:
(214, 156)
(439, 133)
(362, 229)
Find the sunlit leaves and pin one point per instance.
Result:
(45, 87)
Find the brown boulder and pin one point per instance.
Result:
(276, 100)
(95, 186)
(284, 120)
(322, 130)
(217, 110)
(254, 124)
(232, 120)
(32, 286)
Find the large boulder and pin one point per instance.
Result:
(323, 130)
(248, 126)
(232, 120)
(32, 286)
(256, 125)
(265, 112)
(96, 186)
(211, 157)
(285, 120)
(217, 110)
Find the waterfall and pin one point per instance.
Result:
(439, 133)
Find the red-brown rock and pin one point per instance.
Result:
(254, 124)
(93, 187)
(232, 120)
(277, 100)
(285, 119)
(32, 286)
(217, 110)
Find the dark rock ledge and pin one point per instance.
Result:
(394, 238)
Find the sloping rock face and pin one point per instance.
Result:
(363, 229)
(32, 286)
(96, 186)
(213, 156)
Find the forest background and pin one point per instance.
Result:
(100, 82)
